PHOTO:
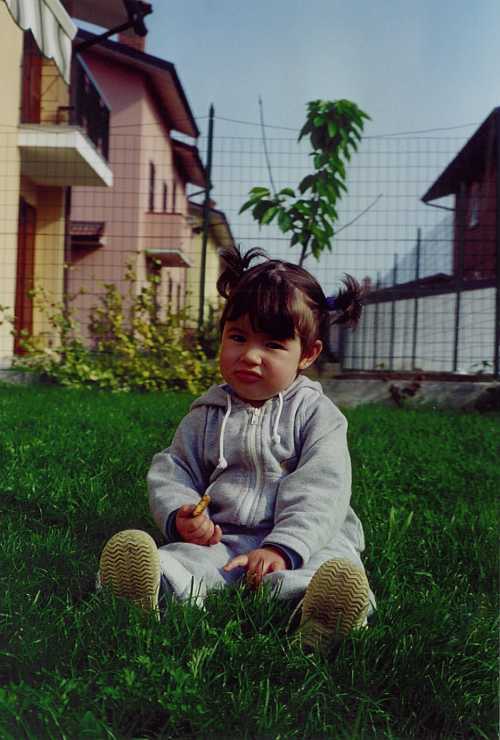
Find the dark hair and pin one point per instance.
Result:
(282, 299)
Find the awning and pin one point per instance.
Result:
(169, 257)
(51, 27)
(88, 233)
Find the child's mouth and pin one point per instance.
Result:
(247, 377)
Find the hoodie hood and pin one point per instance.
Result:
(223, 396)
(217, 394)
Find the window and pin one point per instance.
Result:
(165, 197)
(152, 186)
(174, 197)
(170, 292)
(474, 200)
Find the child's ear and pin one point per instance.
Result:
(311, 356)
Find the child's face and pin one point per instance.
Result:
(258, 366)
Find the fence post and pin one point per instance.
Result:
(206, 216)
(393, 314)
(459, 266)
(496, 361)
(415, 303)
(375, 324)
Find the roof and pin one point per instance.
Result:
(168, 91)
(470, 163)
(189, 163)
(108, 14)
(218, 224)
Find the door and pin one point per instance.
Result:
(25, 272)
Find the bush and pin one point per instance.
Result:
(131, 347)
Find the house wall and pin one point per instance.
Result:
(49, 245)
(10, 166)
(118, 206)
(137, 137)
(49, 203)
(55, 95)
(156, 147)
(193, 275)
(365, 350)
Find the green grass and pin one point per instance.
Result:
(74, 664)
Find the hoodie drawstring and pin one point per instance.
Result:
(222, 463)
(276, 436)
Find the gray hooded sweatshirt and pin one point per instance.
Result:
(277, 474)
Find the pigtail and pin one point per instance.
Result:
(348, 302)
(235, 266)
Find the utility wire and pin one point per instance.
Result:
(362, 213)
(374, 136)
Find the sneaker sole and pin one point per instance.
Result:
(335, 602)
(130, 566)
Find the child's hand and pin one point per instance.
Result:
(257, 563)
(199, 530)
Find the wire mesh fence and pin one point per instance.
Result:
(417, 228)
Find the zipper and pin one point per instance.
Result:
(252, 447)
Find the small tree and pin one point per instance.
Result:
(334, 129)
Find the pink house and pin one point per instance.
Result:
(142, 221)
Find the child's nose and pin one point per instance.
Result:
(251, 355)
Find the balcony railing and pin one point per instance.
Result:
(89, 108)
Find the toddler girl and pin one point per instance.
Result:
(270, 450)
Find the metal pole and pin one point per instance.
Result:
(415, 303)
(393, 314)
(375, 324)
(496, 361)
(459, 268)
(206, 216)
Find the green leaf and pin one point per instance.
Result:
(261, 208)
(332, 129)
(246, 206)
(287, 191)
(269, 215)
(306, 183)
(260, 191)
(284, 221)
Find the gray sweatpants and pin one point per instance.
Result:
(192, 570)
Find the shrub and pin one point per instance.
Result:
(131, 346)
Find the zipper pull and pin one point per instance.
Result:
(255, 415)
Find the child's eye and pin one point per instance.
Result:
(276, 345)
(237, 337)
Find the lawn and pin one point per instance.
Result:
(79, 665)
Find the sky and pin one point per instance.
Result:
(430, 67)
(411, 66)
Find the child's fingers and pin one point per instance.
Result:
(186, 511)
(254, 576)
(240, 561)
(275, 565)
(216, 536)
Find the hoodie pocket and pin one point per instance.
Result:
(289, 465)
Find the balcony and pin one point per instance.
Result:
(165, 238)
(89, 109)
(65, 145)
